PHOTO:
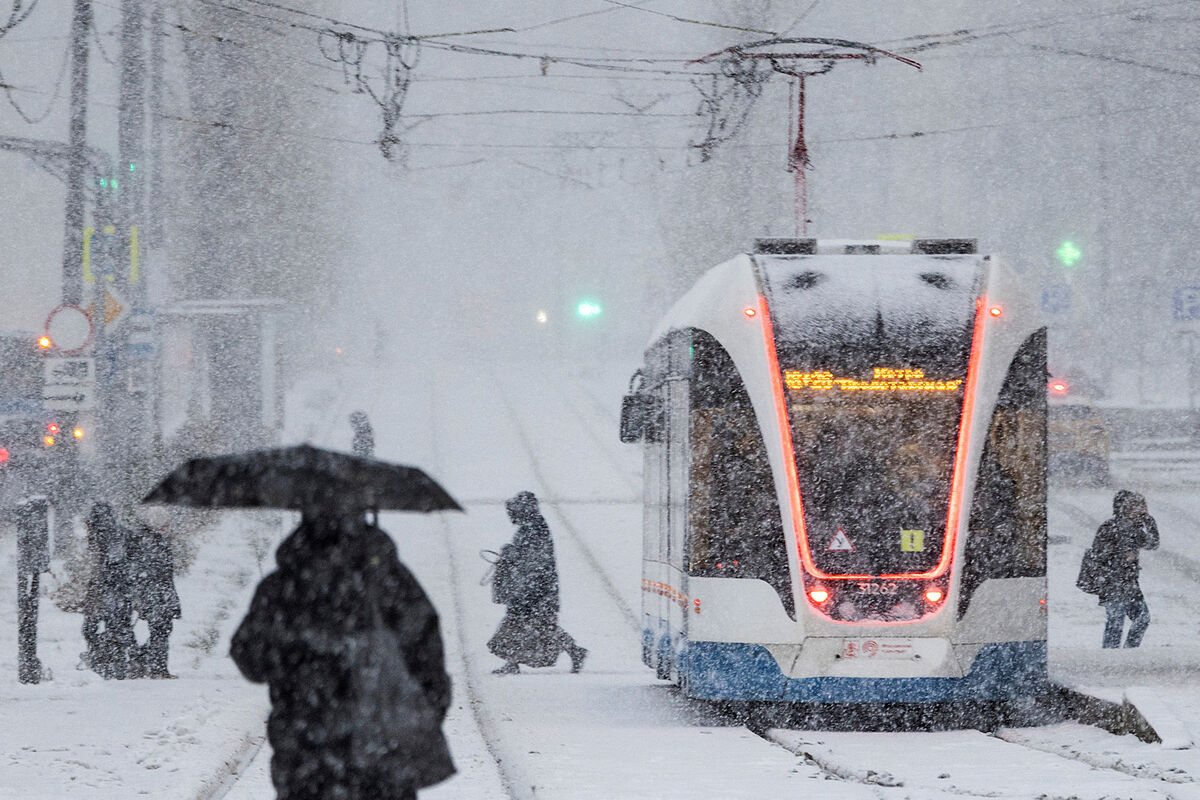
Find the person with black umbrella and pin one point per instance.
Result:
(345, 638)
(338, 600)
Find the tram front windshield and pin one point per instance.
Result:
(874, 434)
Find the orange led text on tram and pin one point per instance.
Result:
(884, 379)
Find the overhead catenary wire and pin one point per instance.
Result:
(620, 62)
(34, 119)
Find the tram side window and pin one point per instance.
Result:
(736, 526)
(1008, 515)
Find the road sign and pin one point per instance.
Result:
(1186, 302)
(69, 397)
(69, 371)
(69, 328)
(1056, 298)
(115, 307)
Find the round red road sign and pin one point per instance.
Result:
(69, 328)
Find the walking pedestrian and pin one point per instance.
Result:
(527, 583)
(1115, 552)
(349, 645)
(364, 436)
(155, 599)
(108, 611)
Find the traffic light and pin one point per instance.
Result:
(588, 309)
(1068, 254)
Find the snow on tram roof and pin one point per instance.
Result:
(851, 296)
(832, 286)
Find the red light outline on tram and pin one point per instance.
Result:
(957, 484)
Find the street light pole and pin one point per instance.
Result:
(77, 170)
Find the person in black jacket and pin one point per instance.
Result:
(363, 444)
(152, 577)
(1116, 547)
(529, 633)
(107, 611)
(349, 646)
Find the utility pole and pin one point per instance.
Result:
(125, 349)
(131, 137)
(77, 170)
(156, 229)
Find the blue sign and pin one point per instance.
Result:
(1056, 298)
(1187, 303)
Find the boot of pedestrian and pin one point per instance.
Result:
(511, 668)
(577, 654)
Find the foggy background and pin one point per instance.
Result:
(521, 185)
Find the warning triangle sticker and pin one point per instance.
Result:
(841, 541)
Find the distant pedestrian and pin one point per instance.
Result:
(526, 582)
(155, 600)
(108, 610)
(364, 437)
(1115, 552)
(349, 645)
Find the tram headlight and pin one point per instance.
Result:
(818, 595)
(934, 595)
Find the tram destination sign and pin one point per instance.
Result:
(883, 379)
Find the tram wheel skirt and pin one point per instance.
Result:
(735, 671)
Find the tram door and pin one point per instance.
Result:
(678, 469)
(654, 538)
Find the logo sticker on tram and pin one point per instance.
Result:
(840, 542)
(912, 541)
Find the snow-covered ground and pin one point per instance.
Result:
(614, 731)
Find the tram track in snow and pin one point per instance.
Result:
(484, 722)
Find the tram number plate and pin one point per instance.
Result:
(871, 587)
(877, 648)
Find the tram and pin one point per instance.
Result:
(845, 477)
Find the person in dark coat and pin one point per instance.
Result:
(1116, 547)
(152, 574)
(529, 633)
(318, 633)
(364, 436)
(108, 610)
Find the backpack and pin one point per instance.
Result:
(1091, 573)
(393, 726)
(503, 574)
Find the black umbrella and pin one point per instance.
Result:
(301, 477)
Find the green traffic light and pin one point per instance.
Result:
(587, 308)
(1068, 254)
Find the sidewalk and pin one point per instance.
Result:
(78, 735)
